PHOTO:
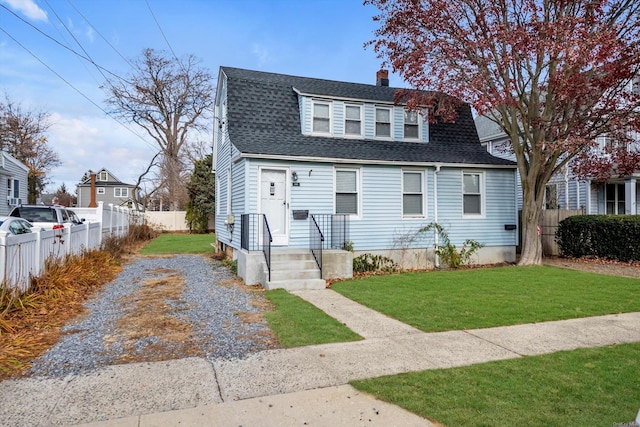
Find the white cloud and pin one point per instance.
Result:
(29, 8)
(85, 143)
(262, 53)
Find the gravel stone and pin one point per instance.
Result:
(211, 309)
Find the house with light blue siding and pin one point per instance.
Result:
(14, 190)
(618, 196)
(308, 167)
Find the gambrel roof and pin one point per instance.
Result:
(264, 120)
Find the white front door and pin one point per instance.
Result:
(274, 203)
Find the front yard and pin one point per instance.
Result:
(581, 387)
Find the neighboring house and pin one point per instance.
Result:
(565, 191)
(314, 156)
(14, 190)
(109, 190)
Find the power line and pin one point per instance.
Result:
(163, 35)
(58, 43)
(76, 89)
(100, 34)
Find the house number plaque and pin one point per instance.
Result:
(272, 188)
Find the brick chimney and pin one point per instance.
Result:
(93, 203)
(382, 78)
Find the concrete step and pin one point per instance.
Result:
(292, 274)
(289, 255)
(300, 264)
(296, 285)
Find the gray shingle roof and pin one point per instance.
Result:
(264, 119)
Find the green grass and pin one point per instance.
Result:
(587, 387)
(486, 297)
(297, 323)
(170, 243)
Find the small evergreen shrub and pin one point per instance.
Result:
(614, 237)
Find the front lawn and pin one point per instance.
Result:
(180, 243)
(297, 322)
(586, 387)
(486, 297)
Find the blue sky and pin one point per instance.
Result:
(314, 38)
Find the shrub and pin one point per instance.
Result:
(605, 236)
(447, 251)
(370, 262)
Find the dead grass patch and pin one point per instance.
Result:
(30, 323)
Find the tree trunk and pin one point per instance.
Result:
(531, 240)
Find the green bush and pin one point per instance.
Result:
(447, 251)
(369, 262)
(605, 236)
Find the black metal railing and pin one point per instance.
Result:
(316, 239)
(266, 243)
(255, 235)
(335, 230)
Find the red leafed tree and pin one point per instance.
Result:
(553, 74)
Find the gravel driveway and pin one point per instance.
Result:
(161, 308)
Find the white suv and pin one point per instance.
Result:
(47, 217)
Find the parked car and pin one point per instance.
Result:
(15, 225)
(47, 217)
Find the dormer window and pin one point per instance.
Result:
(321, 117)
(383, 122)
(411, 125)
(353, 120)
(102, 176)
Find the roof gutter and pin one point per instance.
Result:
(364, 161)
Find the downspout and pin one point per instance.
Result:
(566, 188)
(436, 240)
(588, 202)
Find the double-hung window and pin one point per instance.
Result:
(472, 194)
(411, 125)
(120, 192)
(102, 176)
(347, 184)
(321, 117)
(412, 194)
(100, 190)
(383, 122)
(352, 120)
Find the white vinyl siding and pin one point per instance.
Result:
(411, 125)
(353, 120)
(321, 117)
(347, 184)
(383, 122)
(472, 194)
(412, 194)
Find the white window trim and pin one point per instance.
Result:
(106, 176)
(122, 190)
(330, 105)
(361, 108)
(483, 194)
(420, 127)
(375, 121)
(423, 180)
(358, 171)
(100, 190)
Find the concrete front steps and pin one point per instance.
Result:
(293, 270)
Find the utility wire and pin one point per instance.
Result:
(58, 43)
(76, 89)
(101, 36)
(76, 40)
(164, 36)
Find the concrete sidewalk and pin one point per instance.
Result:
(299, 386)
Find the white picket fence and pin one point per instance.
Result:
(23, 256)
